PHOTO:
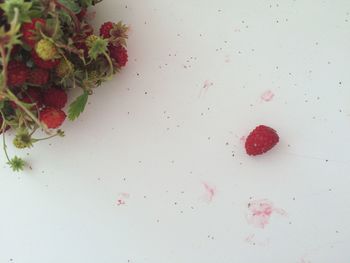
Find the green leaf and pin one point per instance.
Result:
(2, 105)
(78, 106)
(70, 4)
(17, 164)
(99, 47)
(23, 8)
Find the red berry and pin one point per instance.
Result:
(55, 98)
(33, 95)
(81, 14)
(17, 73)
(52, 118)
(261, 140)
(119, 54)
(29, 31)
(38, 76)
(45, 64)
(82, 46)
(105, 29)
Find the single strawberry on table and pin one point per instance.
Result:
(261, 140)
(52, 118)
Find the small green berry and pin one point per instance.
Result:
(46, 50)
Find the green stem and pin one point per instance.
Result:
(109, 62)
(46, 138)
(3, 127)
(4, 67)
(28, 112)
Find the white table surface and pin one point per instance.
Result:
(127, 183)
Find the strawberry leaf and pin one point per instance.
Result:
(78, 106)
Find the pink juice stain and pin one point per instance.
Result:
(210, 192)
(260, 212)
(267, 96)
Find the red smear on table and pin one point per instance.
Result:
(243, 139)
(260, 212)
(210, 192)
(267, 96)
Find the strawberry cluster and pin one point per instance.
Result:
(48, 48)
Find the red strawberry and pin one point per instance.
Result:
(17, 73)
(45, 64)
(261, 140)
(82, 46)
(81, 14)
(55, 98)
(33, 95)
(38, 76)
(29, 31)
(15, 50)
(105, 29)
(52, 118)
(119, 54)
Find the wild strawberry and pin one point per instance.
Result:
(46, 50)
(23, 140)
(81, 14)
(261, 140)
(38, 76)
(82, 46)
(119, 54)
(64, 68)
(30, 32)
(33, 95)
(55, 98)
(17, 73)
(45, 64)
(52, 118)
(90, 40)
(105, 29)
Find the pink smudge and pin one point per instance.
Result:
(121, 199)
(243, 139)
(267, 96)
(206, 85)
(260, 212)
(252, 240)
(227, 59)
(303, 260)
(210, 192)
(120, 202)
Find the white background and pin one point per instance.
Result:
(154, 136)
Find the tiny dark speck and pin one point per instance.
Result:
(293, 198)
(175, 203)
(326, 160)
(146, 93)
(226, 143)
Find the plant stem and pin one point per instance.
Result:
(3, 127)
(4, 67)
(74, 17)
(110, 63)
(13, 98)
